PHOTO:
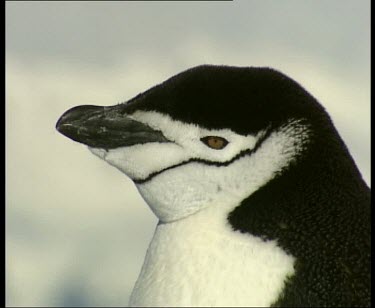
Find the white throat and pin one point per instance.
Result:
(201, 261)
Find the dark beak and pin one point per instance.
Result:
(105, 128)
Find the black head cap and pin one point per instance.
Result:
(244, 99)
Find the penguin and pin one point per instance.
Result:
(258, 199)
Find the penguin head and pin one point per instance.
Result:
(207, 137)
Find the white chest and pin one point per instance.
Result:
(191, 263)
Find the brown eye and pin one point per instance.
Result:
(215, 142)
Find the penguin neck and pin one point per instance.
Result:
(212, 219)
(322, 185)
(201, 261)
(329, 163)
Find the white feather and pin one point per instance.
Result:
(201, 261)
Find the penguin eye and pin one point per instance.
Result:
(215, 142)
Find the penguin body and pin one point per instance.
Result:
(258, 199)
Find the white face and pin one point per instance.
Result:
(180, 178)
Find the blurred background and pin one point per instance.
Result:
(77, 230)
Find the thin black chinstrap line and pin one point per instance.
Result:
(207, 162)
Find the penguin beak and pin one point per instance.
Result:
(105, 128)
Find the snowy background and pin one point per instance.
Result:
(77, 230)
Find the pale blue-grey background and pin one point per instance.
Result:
(77, 230)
